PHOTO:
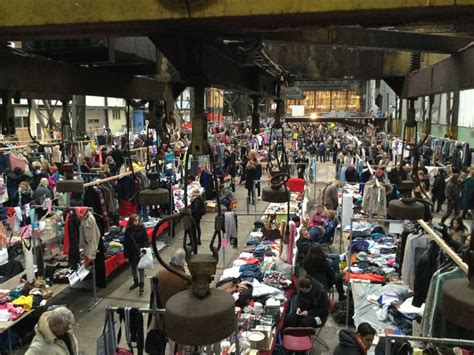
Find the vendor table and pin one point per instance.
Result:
(289, 294)
(5, 326)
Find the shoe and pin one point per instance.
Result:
(134, 286)
(141, 289)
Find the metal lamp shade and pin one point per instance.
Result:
(194, 321)
(70, 185)
(275, 195)
(154, 197)
(406, 209)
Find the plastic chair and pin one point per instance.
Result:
(298, 339)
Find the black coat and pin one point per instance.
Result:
(321, 271)
(135, 239)
(348, 344)
(250, 177)
(197, 208)
(315, 302)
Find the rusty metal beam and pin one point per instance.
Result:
(203, 63)
(40, 18)
(35, 77)
(310, 62)
(355, 37)
(452, 74)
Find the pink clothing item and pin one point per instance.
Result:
(17, 162)
(317, 220)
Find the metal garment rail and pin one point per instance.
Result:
(97, 300)
(349, 253)
(435, 341)
(442, 244)
(163, 311)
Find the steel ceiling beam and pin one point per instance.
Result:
(35, 77)
(210, 65)
(311, 62)
(452, 74)
(41, 18)
(353, 37)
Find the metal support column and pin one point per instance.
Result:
(79, 115)
(199, 145)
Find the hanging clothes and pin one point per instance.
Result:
(434, 324)
(375, 200)
(416, 245)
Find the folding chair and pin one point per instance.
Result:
(298, 339)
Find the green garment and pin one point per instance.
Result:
(467, 194)
(433, 323)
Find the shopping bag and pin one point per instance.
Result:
(146, 261)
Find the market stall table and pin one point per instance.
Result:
(5, 326)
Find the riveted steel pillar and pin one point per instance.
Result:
(255, 115)
(199, 121)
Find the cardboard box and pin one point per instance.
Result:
(211, 206)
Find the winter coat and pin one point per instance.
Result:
(89, 236)
(321, 271)
(22, 198)
(303, 246)
(452, 191)
(46, 343)
(315, 302)
(352, 175)
(348, 344)
(198, 208)
(169, 285)
(251, 176)
(330, 200)
(467, 194)
(41, 193)
(134, 240)
(439, 185)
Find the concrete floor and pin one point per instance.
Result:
(89, 323)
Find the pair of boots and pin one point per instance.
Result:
(138, 284)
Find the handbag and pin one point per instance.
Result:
(156, 339)
(146, 261)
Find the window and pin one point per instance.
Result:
(116, 114)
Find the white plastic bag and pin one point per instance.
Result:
(146, 261)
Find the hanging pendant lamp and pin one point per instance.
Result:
(276, 192)
(69, 184)
(199, 315)
(406, 207)
(154, 195)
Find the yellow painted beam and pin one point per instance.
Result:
(68, 12)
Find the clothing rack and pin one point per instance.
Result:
(115, 177)
(440, 341)
(442, 244)
(93, 271)
(163, 311)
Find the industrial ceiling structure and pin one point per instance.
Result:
(152, 49)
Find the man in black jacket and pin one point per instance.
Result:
(311, 309)
(359, 343)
